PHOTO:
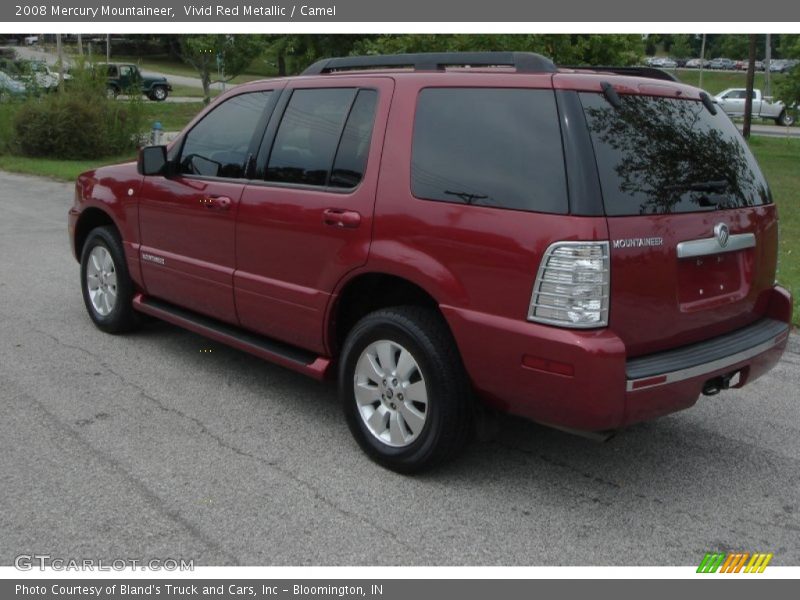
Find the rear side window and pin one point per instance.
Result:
(489, 147)
(324, 137)
(351, 157)
(660, 155)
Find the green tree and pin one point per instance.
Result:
(788, 46)
(788, 90)
(591, 49)
(736, 47)
(681, 46)
(235, 52)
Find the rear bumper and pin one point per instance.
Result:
(584, 380)
(710, 356)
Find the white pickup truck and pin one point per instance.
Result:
(732, 102)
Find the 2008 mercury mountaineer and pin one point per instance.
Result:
(587, 248)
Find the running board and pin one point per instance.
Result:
(274, 351)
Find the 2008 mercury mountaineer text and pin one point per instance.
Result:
(587, 248)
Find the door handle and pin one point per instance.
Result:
(216, 202)
(337, 217)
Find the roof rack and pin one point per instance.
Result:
(649, 72)
(524, 62)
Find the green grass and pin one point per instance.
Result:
(66, 170)
(173, 116)
(188, 91)
(716, 81)
(779, 159)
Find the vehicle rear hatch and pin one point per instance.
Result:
(692, 227)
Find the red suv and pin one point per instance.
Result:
(449, 234)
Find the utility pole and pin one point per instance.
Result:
(751, 75)
(60, 53)
(702, 61)
(767, 60)
(108, 47)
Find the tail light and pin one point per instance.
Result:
(572, 285)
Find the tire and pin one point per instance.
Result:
(158, 94)
(785, 119)
(112, 92)
(416, 434)
(105, 282)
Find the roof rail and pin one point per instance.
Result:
(649, 72)
(524, 62)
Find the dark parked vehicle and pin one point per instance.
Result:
(579, 247)
(126, 78)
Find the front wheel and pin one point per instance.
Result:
(105, 282)
(405, 395)
(785, 119)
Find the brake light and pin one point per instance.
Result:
(572, 286)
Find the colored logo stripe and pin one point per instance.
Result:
(711, 562)
(734, 562)
(758, 563)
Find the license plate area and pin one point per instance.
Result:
(713, 280)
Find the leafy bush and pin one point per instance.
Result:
(789, 90)
(78, 122)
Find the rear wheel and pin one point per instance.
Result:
(785, 119)
(105, 282)
(112, 92)
(404, 391)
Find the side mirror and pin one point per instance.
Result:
(153, 160)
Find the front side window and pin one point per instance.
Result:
(219, 145)
(489, 147)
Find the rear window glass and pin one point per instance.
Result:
(665, 155)
(489, 147)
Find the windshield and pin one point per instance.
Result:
(661, 155)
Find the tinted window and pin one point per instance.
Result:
(664, 155)
(309, 135)
(351, 157)
(218, 146)
(489, 147)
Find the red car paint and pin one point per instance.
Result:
(275, 260)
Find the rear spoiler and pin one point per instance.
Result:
(649, 72)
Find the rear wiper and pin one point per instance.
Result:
(700, 186)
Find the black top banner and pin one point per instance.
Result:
(466, 11)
